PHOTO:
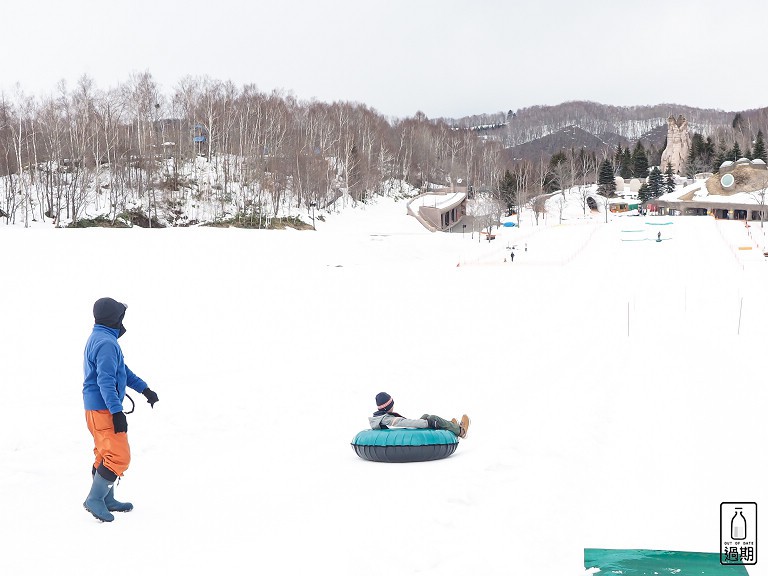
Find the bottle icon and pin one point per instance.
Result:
(738, 525)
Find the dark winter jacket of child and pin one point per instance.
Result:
(106, 375)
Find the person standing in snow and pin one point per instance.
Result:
(385, 418)
(105, 379)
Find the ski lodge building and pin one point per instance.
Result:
(440, 210)
(738, 192)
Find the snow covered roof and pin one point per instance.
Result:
(724, 188)
(438, 200)
(702, 192)
(679, 194)
(698, 192)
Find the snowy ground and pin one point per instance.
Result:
(616, 387)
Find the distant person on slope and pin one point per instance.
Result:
(106, 378)
(385, 418)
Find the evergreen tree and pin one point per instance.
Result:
(624, 163)
(738, 122)
(557, 158)
(655, 182)
(697, 145)
(605, 179)
(721, 156)
(709, 152)
(644, 193)
(699, 155)
(508, 189)
(669, 179)
(735, 152)
(696, 151)
(691, 163)
(748, 154)
(639, 161)
(759, 150)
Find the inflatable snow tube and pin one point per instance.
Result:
(404, 444)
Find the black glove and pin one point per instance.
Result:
(150, 396)
(432, 423)
(119, 422)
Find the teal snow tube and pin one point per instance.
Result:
(404, 444)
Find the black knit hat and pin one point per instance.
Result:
(384, 402)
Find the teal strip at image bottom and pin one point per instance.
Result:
(647, 562)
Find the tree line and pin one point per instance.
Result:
(629, 122)
(248, 155)
(250, 151)
(706, 156)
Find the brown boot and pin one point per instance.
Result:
(454, 420)
(464, 426)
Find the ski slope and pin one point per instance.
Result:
(616, 390)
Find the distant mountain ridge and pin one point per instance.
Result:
(530, 132)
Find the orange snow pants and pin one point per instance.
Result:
(110, 448)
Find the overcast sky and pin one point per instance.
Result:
(448, 58)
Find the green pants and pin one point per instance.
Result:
(442, 423)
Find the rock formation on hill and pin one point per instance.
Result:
(678, 144)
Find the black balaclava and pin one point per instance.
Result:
(110, 313)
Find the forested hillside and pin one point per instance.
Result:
(213, 152)
(529, 132)
(241, 151)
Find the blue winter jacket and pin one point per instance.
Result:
(106, 374)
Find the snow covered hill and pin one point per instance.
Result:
(616, 389)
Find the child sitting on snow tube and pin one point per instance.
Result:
(385, 418)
